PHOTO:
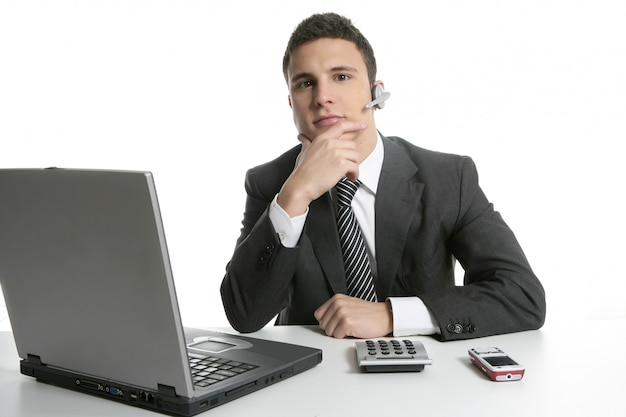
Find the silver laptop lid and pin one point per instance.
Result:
(86, 276)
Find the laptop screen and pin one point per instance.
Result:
(84, 263)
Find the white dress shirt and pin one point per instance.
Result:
(410, 315)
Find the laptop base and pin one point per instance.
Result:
(163, 401)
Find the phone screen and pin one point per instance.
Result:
(499, 360)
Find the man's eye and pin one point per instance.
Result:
(342, 77)
(305, 84)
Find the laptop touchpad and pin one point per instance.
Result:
(211, 344)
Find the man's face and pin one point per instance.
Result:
(328, 81)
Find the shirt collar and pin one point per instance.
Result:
(370, 168)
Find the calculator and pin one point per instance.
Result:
(392, 355)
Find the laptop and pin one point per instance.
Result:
(90, 294)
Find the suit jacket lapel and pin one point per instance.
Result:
(322, 230)
(397, 201)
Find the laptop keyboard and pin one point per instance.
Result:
(208, 370)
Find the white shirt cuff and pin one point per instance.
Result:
(289, 229)
(411, 317)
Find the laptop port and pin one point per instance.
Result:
(89, 385)
(146, 397)
(114, 391)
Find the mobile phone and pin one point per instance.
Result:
(496, 364)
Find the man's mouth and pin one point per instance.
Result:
(327, 120)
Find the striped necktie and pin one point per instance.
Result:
(358, 271)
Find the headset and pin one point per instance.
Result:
(379, 96)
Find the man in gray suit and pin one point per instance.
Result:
(419, 211)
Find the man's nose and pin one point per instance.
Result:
(324, 94)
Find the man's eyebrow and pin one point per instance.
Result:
(301, 76)
(343, 68)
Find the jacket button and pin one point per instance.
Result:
(267, 253)
(455, 328)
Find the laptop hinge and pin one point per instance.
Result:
(34, 359)
(167, 390)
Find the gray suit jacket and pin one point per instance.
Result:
(430, 211)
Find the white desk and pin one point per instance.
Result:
(572, 369)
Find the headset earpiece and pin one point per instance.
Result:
(379, 95)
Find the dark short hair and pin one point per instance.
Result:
(333, 26)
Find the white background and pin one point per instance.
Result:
(534, 91)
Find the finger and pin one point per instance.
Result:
(329, 316)
(328, 323)
(304, 140)
(353, 174)
(324, 315)
(346, 126)
(321, 311)
(334, 327)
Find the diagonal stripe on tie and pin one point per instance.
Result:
(359, 279)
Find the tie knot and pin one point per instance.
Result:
(346, 190)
